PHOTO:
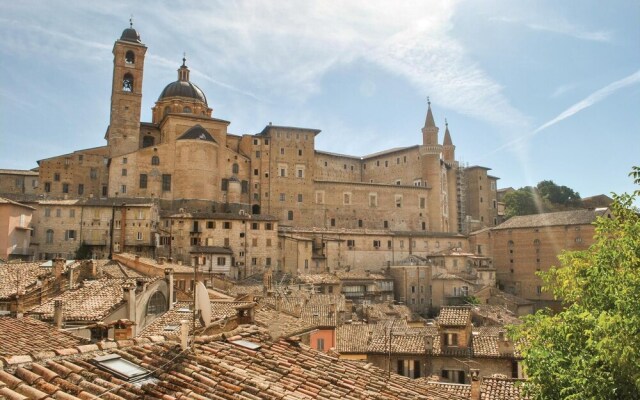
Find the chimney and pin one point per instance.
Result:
(505, 346)
(58, 266)
(475, 384)
(71, 273)
(428, 343)
(129, 296)
(96, 271)
(57, 314)
(168, 276)
(332, 310)
(184, 334)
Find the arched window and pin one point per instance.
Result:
(157, 304)
(130, 57)
(536, 242)
(148, 141)
(155, 160)
(510, 244)
(186, 110)
(49, 239)
(167, 110)
(127, 83)
(235, 168)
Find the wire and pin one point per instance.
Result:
(146, 375)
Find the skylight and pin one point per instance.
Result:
(183, 309)
(246, 344)
(172, 328)
(120, 367)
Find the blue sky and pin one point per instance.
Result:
(532, 89)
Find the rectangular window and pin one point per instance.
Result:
(227, 225)
(347, 199)
(373, 200)
(299, 197)
(268, 261)
(254, 261)
(93, 173)
(320, 344)
(70, 235)
(423, 202)
(254, 242)
(257, 154)
(290, 215)
(139, 236)
(47, 212)
(47, 187)
(211, 225)
(255, 226)
(124, 172)
(300, 173)
(282, 151)
(319, 197)
(124, 160)
(385, 224)
(123, 189)
(56, 177)
(351, 243)
(256, 172)
(143, 181)
(58, 212)
(244, 187)
(376, 244)
(359, 223)
(104, 190)
(65, 188)
(72, 213)
(221, 261)
(333, 222)
(268, 226)
(282, 196)
(166, 182)
(80, 189)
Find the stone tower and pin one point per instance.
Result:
(432, 173)
(449, 150)
(126, 93)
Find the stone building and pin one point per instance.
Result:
(103, 226)
(15, 181)
(524, 245)
(328, 210)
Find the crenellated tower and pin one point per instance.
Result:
(126, 93)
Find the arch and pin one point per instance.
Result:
(167, 110)
(157, 304)
(235, 168)
(510, 244)
(255, 209)
(148, 141)
(186, 110)
(130, 57)
(127, 83)
(49, 238)
(155, 160)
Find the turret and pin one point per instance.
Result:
(448, 149)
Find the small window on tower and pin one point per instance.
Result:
(130, 57)
(186, 110)
(127, 83)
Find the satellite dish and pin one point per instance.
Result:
(203, 303)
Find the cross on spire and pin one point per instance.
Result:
(131, 21)
(184, 58)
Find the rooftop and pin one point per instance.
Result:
(454, 316)
(573, 217)
(27, 335)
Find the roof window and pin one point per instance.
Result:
(120, 367)
(246, 344)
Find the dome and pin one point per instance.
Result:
(130, 35)
(182, 88)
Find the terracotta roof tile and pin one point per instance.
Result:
(27, 336)
(454, 316)
(495, 388)
(573, 217)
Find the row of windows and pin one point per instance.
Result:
(347, 199)
(268, 226)
(351, 243)
(72, 234)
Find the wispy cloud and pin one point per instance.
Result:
(593, 98)
(562, 89)
(561, 27)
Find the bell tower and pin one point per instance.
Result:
(432, 173)
(126, 93)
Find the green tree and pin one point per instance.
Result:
(558, 195)
(591, 350)
(520, 202)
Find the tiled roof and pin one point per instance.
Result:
(380, 311)
(354, 338)
(93, 301)
(15, 203)
(168, 324)
(280, 324)
(114, 269)
(574, 217)
(215, 369)
(17, 277)
(177, 268)
(20, 336)
(455, 388)
(361, 275)
(18, 172)
(454, 316)
(494, 388)
(317, 279)
(374, 338)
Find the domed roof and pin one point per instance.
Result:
(183, 89)
(130, 35)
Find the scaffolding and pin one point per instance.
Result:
(461, 187)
